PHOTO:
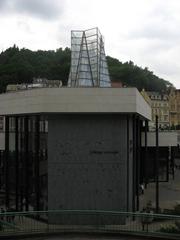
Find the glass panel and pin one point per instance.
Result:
(88, 60)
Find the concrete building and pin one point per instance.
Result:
(73, 148)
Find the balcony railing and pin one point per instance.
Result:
(90, 221)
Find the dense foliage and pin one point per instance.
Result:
(21, 65)
(134, 76)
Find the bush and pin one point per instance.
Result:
(169, 229)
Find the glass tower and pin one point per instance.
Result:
(88, 61)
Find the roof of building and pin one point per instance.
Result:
(74, 100)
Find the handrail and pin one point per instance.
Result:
(138, 214)
(78, 220)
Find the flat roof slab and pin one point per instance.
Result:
(74, 100)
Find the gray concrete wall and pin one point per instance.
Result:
(2, 140)
(130, 167)
(11, 141)
(166, 139)
(87, 162)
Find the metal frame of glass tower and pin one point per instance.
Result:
(88, 61)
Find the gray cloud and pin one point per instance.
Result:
(156, 40)
(161, 23)
(24, 26)
(166, 31)
(45, 9)
(3, 4)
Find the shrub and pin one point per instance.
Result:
(169, 229)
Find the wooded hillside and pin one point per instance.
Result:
(21, 65)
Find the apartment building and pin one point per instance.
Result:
(174, 107)
(160, 106)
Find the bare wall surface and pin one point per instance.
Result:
(87, 162)
(166, 139)
(2, 140)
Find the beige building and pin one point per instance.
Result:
(160, 106)
(146, 97)
(174, 105)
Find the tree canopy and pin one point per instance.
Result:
(22, 65)
(132, 75)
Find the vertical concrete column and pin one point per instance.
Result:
(172, 161)
(26, 155)
(137, 161)
(134, 164)
(167, 164)
(0, 169)
(141, 159)
(7, 162)
(157, 165)
(127, 202)
(17, 162)
(145, 154)
(37, 179)
(21, 161)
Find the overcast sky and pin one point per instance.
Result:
(144, 31)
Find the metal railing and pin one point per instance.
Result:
(60, 221)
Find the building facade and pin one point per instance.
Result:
(160, 107)
(174, 105)
(73, 148)
(146, 97)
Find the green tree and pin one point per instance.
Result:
(21, 65)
